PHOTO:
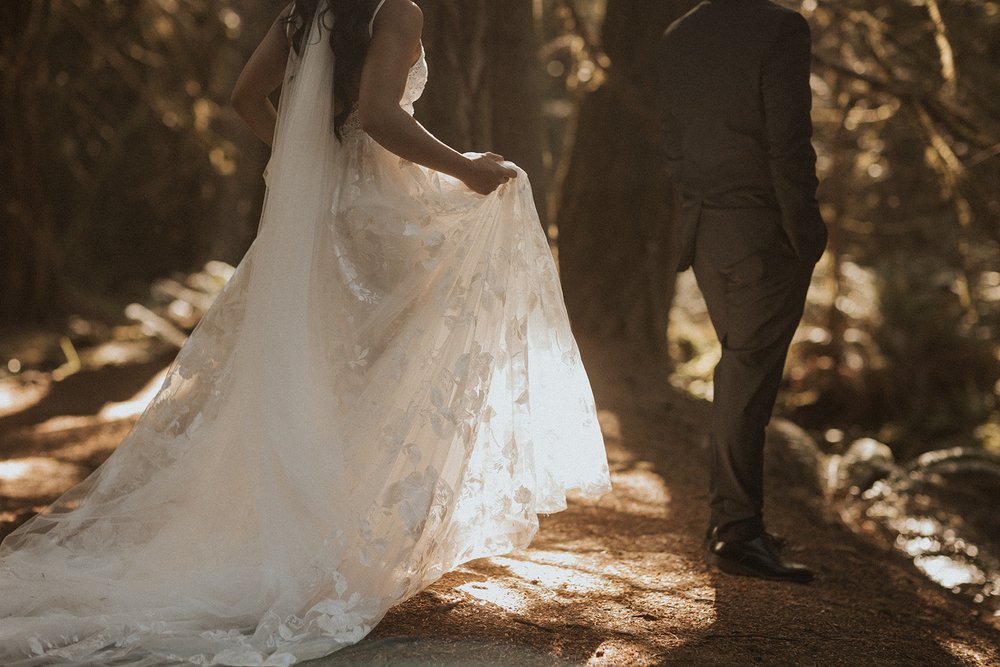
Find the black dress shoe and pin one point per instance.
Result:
(754, 558)
(778, 542)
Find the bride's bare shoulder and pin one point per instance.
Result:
(400, 15)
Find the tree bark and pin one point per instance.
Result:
(617, 250)
(484, 88)
(29, 257)
(239, 196)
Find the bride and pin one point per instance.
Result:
(387, 387)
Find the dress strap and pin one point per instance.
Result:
(371, 24)
(289, 27)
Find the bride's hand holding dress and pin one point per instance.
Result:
(395, 48)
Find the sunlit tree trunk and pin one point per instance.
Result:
(484, 87)
(616, 216)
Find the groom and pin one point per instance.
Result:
(735, 100)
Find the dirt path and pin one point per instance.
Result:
(621, 581)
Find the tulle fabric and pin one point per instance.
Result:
(386, 387)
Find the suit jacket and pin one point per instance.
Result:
(735, 101)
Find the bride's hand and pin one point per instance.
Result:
(485, 173)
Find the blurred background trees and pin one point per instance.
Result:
(122, 161)
(122, 164)
(907, 114)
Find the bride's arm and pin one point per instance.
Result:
(383, 80)
(260, 77)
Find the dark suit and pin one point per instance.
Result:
(735, 100)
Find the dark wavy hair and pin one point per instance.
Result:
(347, 23)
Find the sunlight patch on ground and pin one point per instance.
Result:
(63, 423)
(640, 491)
(517, 582)
(621, 652)
(495, 593)
(116, 353)
(965, 653)
(16, 397)
(644, 485)
(559, 572)
(11, 471)
(135, 405)
(659, 583)
(110, 412)
(36, 476)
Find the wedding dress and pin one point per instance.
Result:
(386, 387)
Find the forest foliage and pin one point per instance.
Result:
(907, 116)
(122, 163)
(122, 160)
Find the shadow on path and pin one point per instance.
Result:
(621, 581)
(80, 395)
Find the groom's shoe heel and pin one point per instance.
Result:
(754, 558)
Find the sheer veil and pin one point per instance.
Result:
(146, 535)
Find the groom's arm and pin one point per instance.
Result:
(673, 157)
(787, 101)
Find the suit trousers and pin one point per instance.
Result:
(754, 286)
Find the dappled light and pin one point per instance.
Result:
(620, 581)
(13, 470)
(134, 190)
(946, 571)
(611, 589)
(14, 398)
(135, 405)
(37, 477)
(935, 512)
(495, 593)
(613, 581)
(581, 568)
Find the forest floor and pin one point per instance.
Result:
(619, 581)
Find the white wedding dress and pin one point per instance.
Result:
(387, 387)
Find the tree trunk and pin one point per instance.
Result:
(484, 88)
(29, 256)
(239, 196)
(616, 217)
